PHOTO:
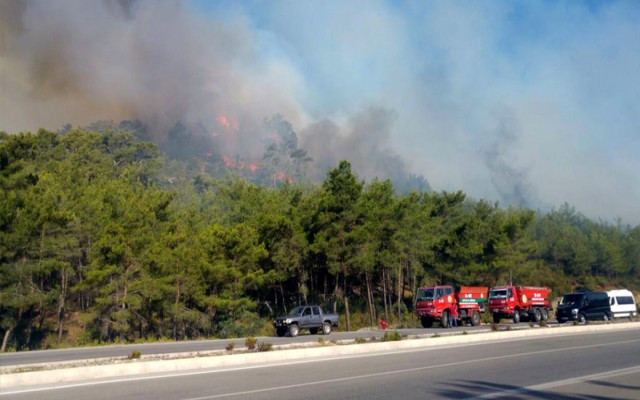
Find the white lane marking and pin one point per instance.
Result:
(560, 383)
(316, 360)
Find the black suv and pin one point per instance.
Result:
(583, 306)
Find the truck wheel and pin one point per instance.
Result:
(426, 322)
(475, 318)
(313, 331)
(582, 319)
(516, 316)
(444, 320)
(496, 319)
(537, 316)
(281, 332)
(326, 328)
(545, 314)
(293, 330)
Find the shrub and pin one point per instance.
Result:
(135, 354)
(465, 332)
(436, 335)
(321, 340)
(230, 346)
(250, 343)
(531, 324)
(264, 346)
(486, 318)
(391, 337)
(575, 322)
(509, 327)
(543, 324)
(494, 326)
(361, 340)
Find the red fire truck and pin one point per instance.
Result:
(519, 302)
(434, 304)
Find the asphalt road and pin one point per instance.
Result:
(603, 365)
(84, 353)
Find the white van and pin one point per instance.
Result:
(622, 303)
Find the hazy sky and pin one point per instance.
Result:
(530, 103)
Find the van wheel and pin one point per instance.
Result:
(475, 318)
(516, 316)
(537, 315)
(545, 314)
(582, 319)
(326, 328)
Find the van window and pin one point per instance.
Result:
(307, 311)
(448, 291)
(625, 300)
(612, 301)
(509, 293)
(439, 293)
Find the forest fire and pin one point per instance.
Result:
(229, 163)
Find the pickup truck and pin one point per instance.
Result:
(305, 317)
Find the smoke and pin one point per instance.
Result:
(76, 62)
(184, 76)
(395, 87)
(366, 142)
(511, 182)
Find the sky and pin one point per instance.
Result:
(528, 103)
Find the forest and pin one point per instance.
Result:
(106, 238)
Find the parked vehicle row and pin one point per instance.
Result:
(518, 303)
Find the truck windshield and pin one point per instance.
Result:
(296, 311)
(426, 294)
(498, 294)
(571, 299)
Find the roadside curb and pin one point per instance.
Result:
(139, 367)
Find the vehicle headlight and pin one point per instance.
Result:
(574, 311)
(287, 321)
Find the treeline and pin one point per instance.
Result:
(103, 230)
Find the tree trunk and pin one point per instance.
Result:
(335, 296)
(384, 293)
(5, 341)
(399, 294)
(371, 316)
(346, 304)
(64, 281)
(284, 303)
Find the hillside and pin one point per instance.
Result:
(105, 236)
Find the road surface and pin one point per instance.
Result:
(85, 353)
(602, 365)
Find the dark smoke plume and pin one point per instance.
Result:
(199, 87)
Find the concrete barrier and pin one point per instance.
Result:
(137, 367)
